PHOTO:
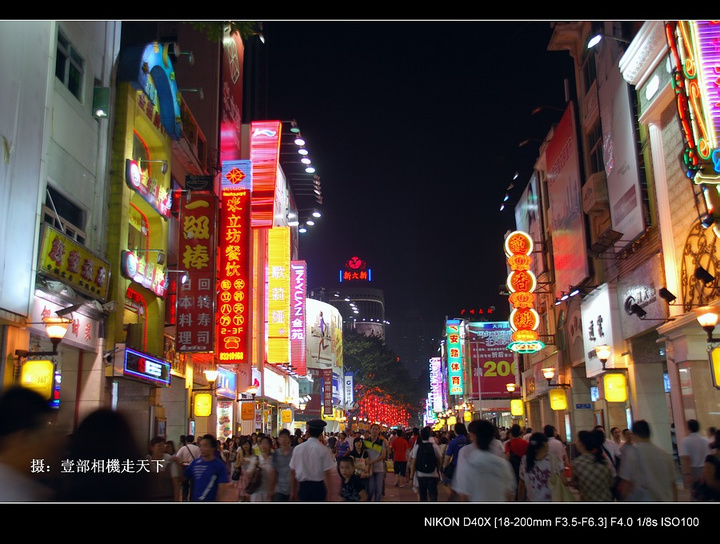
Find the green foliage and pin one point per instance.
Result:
(376, 366)
(214, 30)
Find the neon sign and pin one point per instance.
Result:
(454, 356)
(524, 319)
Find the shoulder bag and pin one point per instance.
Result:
(559, 489)
(254, 480)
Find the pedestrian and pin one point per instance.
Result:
(351, 488)
(555, 446)
(166, 481)
(377, 450)
(649, 473)
(264, 461)
(360, 455)
(170, 447)
(425, 464)
(188, 452)
(591, 473)
(208, 472)
(243, 457)
(450, 457)
(26, 434)
(694, 448)
(481, 475)
(708, 488)
(400, 447)
(311, 466)
(515, 448)
(280, 479)
(536, 469)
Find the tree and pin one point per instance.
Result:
(215, 30)
(377, 367)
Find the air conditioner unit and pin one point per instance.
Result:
(595, 194)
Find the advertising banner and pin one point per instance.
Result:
(279, 296)
(493, 364)
(195, 320)
(298, 288)
(233, 308)
(565, 195)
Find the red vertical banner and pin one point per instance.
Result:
(195, 298)
(298, 293)
(265, 157)
(233, 302)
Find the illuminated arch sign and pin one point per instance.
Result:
(148, 69)
(521, 282)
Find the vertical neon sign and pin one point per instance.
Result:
(233, 315)
(278, 274)
(298, 286)
(454, 357)
(524, 319)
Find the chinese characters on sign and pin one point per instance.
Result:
(196, 296)
(234, 263)
(298, 280)
(454, 357)
(278, 318)
(521, 282)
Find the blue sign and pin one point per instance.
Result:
(146, 367)
(226, 383)
(583, 406)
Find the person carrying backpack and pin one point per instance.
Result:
(425, 464)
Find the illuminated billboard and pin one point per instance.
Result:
(278, 293)
(233, 273)
(453, 329)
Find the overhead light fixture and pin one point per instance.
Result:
(56, 328)
(101, 102)
(163, 168)
(183, 274)
(511, 387)
(316, 213)
(597, 38)
(177, 53)
(161, 257)
(635, 309)
(666, 295)
(603, 353)
(197, 90)
(703, 275)
(707, 220)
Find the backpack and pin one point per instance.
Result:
(426, 460)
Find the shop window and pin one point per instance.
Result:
(64, 215)
(69, 66)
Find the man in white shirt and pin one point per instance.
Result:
(311, 466)
(694, 448)
(648, 472)
(187, 453)
(555, 447)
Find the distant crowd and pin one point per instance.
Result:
(479, 462)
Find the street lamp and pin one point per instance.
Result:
(603, 353)
(55, 327)
(707, 317)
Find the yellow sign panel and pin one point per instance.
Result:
(615, 388)
(516, 407)
(202, 407)
(558, 400)
(38, 376)
(286, 416)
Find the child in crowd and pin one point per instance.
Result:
(352, 488)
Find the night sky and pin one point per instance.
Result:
(414, 128)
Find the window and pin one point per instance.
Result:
(64, 215)
(69, 66)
